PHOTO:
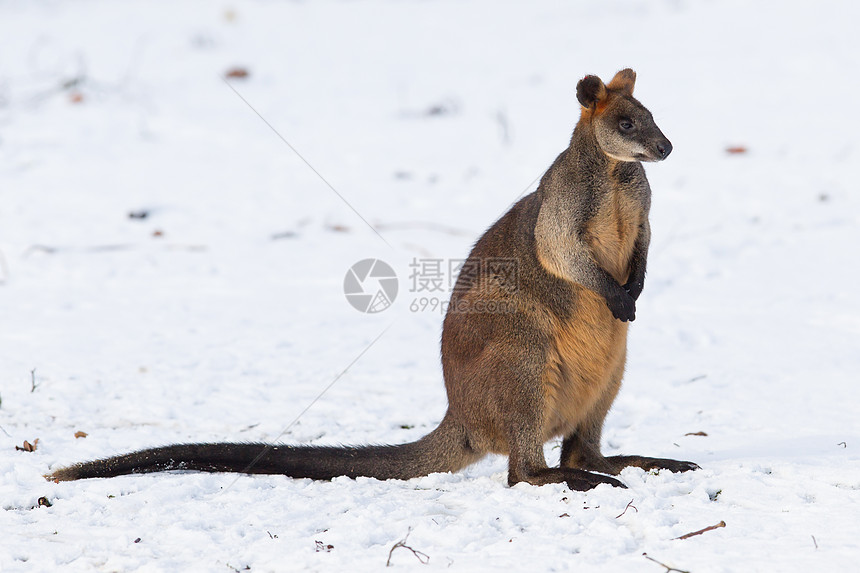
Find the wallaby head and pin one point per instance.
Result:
(624, 129)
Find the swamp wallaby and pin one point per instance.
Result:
(534, 340)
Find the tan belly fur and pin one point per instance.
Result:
(586, 352)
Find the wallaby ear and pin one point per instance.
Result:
(624, 81)
(590, 90)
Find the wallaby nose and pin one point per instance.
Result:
(664, 148)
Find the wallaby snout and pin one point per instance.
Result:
(657, 149)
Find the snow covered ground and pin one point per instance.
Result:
(220, 315)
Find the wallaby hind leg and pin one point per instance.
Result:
(581, 448)
(528, 464)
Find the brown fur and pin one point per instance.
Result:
(581, 356)
(527, 356)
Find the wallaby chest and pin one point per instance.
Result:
(587, 349)
(612, 230)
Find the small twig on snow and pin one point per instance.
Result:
(33, 384)
(629, 505)
(814, 541)
(668, 569)
(422, 557)
(701, 531)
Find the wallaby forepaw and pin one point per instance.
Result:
(634, 288)
(622, 305)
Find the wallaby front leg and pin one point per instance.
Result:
(562, 252)
(636, 280)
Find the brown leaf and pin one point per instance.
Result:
(44, 501)
(76, 97)
(80, 434)
(237, 72)
(696, 434)
(28, 447)
(158, 233)
(736, 149)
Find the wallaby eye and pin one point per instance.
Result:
(626, 126)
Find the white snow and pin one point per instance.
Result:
(429, 119)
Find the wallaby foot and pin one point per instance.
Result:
(581, 450)
(614, 464)
(645, 463)
(527, 463)
(577, 480)
(586, 480)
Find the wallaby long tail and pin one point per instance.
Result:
(444, 449)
